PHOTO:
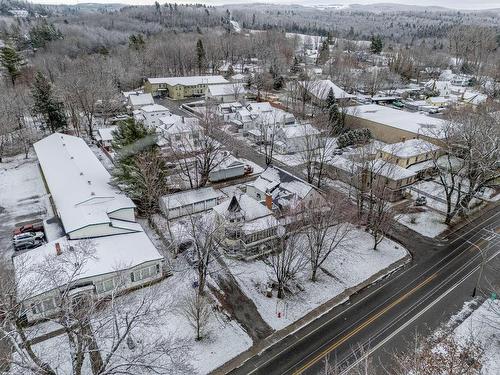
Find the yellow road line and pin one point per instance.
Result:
(364, 325)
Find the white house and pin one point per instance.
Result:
(319, 90)
(230, 167)
(256, 115)
(246, 227)
(150, 114)
(105, 136)
(226, 93)
(78, 183)
(282, 190)
(227, 111)
(189, 202)
(137, 101)
(297, 138)
(108, 264)
(182, 133)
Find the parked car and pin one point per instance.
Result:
(27, 244)
(337, 151)
(28, 236)
(421, 201)
(33, 227)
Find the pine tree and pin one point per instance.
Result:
(201, 56)
(47, 105)
(324, 52)
(139, 169)
(11, 61)
(295, 69)
(334, 116)
(376, 44)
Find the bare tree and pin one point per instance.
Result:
(203, 232)
(96, 326)
(286, 261)
(440, 354)
(326, 229)
(471, 143)
(197, 310)
(268, 126)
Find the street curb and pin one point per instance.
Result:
(465, 221)
(277, 336)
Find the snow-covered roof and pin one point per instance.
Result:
(154, 108)
(188, 197)
(274, 177)
(106, 255)
(299, 131)
(238, 77)
(412, 122)
(227, 89)
(141, 99)
(189, 81)
(78, 182)
(389, 170)
(250, 208)
(106, 134)
(259, 224)
(344, 164)
(409, 148)
(175, 124)
(321, 88)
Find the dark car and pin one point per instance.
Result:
(421, 201)
(33, 227)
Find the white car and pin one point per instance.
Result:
(28, 236)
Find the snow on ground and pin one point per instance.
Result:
(225, 338)
(103, 158)
(351, 265)
(428, 223)
(22, 195)
(484, 325)
(291, 160)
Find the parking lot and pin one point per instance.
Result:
(23, 198)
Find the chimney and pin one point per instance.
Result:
(58, 249)
(269, 200)
(183, 119)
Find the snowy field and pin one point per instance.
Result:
(349, 266)
(22, 195)
(484, 325)
(428, 223)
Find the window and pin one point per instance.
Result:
(105, 285)
(145, 273)
(36, 308)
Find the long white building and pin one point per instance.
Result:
(104, 250)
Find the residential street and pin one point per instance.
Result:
(373, 315)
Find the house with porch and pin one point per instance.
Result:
(247, 228)
(178, 88)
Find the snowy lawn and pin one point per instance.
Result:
(348, 266)
(435, 194)
(22, 195)
(224, 340)
(291, 160)
(484, 325)
(428, 223)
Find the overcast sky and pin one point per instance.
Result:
(456, 4)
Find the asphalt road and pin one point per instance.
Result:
(413, 297)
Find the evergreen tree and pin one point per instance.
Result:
(376, 44)
(200, 56)
(324, 52)
(43, 33)
(136, 41)
(135, 146)
(334, 116)
(11, 61)
(295, 69)
(230, 71)
(47, 105)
